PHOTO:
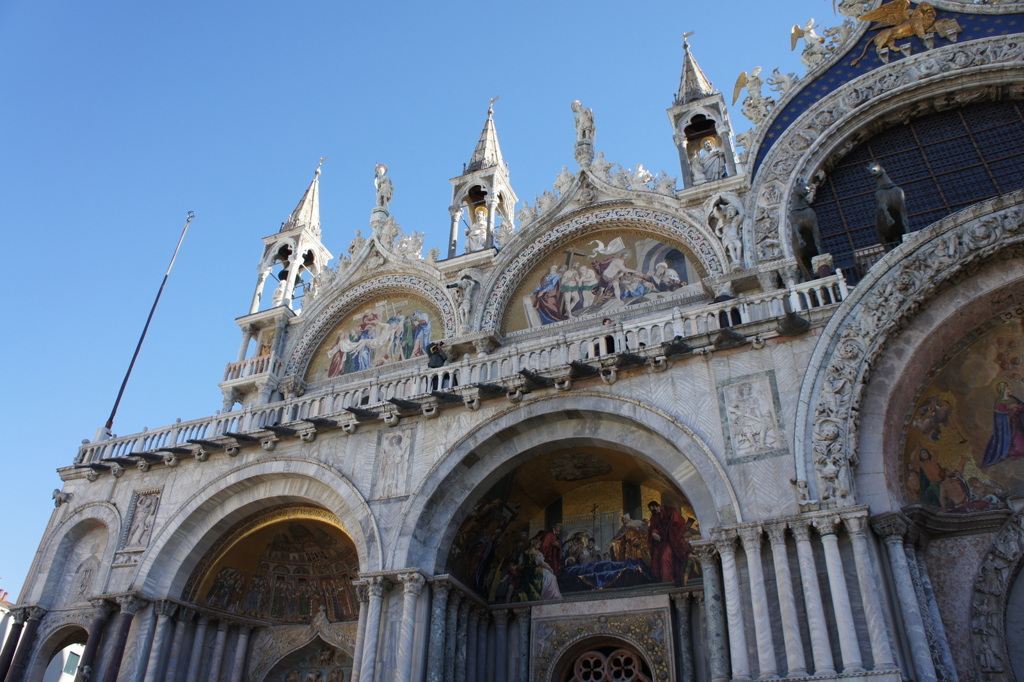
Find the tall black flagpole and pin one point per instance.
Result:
(110, 422)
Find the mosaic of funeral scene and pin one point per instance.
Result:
(286, 572)
(575, 521)
(380, 333)
(600, 274)
(965, 440)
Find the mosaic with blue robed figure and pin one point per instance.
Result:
(964, 447)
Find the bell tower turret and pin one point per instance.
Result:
(484, 191)
(701, 127)
(293, 257)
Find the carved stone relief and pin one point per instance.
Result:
(989, 601)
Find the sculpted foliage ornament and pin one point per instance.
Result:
(879, 308)
(988, 603)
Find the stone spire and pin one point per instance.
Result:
(693, 84)
(488, 152)
(307, 213)
(484, 190)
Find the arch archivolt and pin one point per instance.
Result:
(57, 630)
(50, 568)
(934, 80)
(877, 311)
(704, 246)
(999, 568)
(197, 525)
(520, 433)
(271, 645)
(327, 318)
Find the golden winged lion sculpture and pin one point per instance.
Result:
(897, 21)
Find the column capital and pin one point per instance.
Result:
(244, 630)
(726, 543)
(223, 625)
(362, 591)
(412, 583)
(705, 551)
(776, 533)
(522, 612)
(681, 599)
(751, 537)
(801, 529)
(455, 211)
(856, 525)
(378, 585)
(474, 614)
(203, 621)
(827, 525)
(454, 599)
(131, 603)
(185, 614)
(36, 612)
(165, 608)
(20, 615)
(439, 588)
(893, 527)
(101, 606)
(500, 617)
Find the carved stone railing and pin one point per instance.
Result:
(260, 364)
(411, 379)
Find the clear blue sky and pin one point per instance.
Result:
(119, 117)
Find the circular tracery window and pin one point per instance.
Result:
(609, 664)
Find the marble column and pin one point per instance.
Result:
(483, 660)
(377, 586)
(501, 645)
(176, 659)
(472, 632)
(412, 585)
(453, 239)
(460, 641)
(164, 614)
(25, 643)
(451, 634)
(734, 609)
(362, 596)
(241, 653)
(849, 647)
(817, 625)
(684, 636)
(217, 659)
(796, 665)
(101, 614)
(439, 610)
(713, 610)
(868, 581)
(892, 527)
(751, 538)
(947, 670)
(198, 640)
(130, 605)
(523, 619)
(7, 655)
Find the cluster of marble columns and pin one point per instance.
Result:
(930, 654)
(470, 642)
(178, 643)
(785, 653)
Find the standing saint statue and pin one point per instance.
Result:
(584, 121)
(385, 188)
(476, 235)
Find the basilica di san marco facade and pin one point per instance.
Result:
(760, 420)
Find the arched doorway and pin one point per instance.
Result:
(60, 653)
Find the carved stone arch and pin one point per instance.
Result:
(704, 246)
(930, 81)
(271, 251)
(1001, 571)
(828, 420)
(185, 537)
(301, 354)
(560, 641)
(521, 432)
(57, 630)
(49, 571)
(271, 646)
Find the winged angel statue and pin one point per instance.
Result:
(897, 21)
(814, 45)
(755, 105)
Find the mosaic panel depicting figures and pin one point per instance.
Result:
(964, 447)
(286, 572)
(575, 521)
(600, 274)
(375, 334)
